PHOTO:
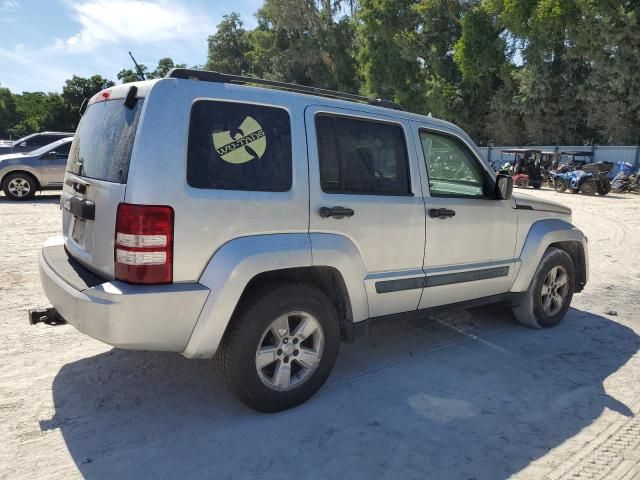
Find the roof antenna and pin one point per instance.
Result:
(140, 74)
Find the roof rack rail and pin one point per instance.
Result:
(208, 76)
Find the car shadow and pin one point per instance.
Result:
(38, 199)
(468, 394)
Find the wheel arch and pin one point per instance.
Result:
(330, 262)
(24, 171)
(547, 233)
(325, 278)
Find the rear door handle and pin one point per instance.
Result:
(441, 213)
(335, 212)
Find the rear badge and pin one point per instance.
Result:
(243, 144)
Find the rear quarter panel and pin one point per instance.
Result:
(206, 219)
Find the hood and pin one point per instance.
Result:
(11, 156)
(533, 203)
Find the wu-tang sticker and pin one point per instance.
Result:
(243, 144)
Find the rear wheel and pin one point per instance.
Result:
(604, 187)
(19, 186)
(589, 187)
(559, 185)
(549, 296)
(280, 347)
(522, 183)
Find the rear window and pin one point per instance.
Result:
(104, 140)
(238, 146)
(361, 156)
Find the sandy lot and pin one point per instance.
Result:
(467, 395)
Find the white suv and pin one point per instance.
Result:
(205, 213)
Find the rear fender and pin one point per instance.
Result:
(237, 262)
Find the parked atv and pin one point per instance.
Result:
(625, 182)
(521, 180)
(583, 182)
(580, 176)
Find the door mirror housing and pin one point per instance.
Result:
(52, 154)
(504, 187)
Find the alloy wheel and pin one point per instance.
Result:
(555, 290)
(19, 187)
(289, 351)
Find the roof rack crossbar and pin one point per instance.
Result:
(208, 76)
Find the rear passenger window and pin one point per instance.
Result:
(237, 146)
(361, 156)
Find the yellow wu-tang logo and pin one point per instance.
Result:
(243, 144)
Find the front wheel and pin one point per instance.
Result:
(19, 186)
(549, 296)
(559, 185)
(280, 347)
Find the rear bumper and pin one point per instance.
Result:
(139, 317)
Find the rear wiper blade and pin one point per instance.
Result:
(131, 99)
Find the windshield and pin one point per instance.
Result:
(104, 140)
(15, 143)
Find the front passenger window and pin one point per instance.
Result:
(453, 171)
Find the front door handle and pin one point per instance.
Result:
(441, 213)
(335, 212)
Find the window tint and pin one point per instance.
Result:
(235, 146)
(40, 141)
(63, 150)
(360, 156)
(104, 140)
(452, 169)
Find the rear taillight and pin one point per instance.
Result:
(144, 244)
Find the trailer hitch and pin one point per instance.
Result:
(49, 316)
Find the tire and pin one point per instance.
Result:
(522, 183)
(559, 185)
(19, 186)
(532, 311)
(604, 187)
(588, 187)
(256, 326)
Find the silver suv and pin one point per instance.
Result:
(204, 214)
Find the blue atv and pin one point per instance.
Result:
(588, 179)
(581, 176)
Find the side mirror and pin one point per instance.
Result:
(504, 187)
(23, 144)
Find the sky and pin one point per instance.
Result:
(45, 42)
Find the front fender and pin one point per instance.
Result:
(18, 167)
(542, 234)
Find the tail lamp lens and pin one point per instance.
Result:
(144, 244)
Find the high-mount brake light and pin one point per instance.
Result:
(144, 244)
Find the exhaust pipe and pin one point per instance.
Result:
(49, 316)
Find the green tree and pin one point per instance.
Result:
(164, 66)
(480, 56)
(8, 114)
(388, 55)
(127, 75)
(228, 47)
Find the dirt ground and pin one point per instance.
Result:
(467, 395)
